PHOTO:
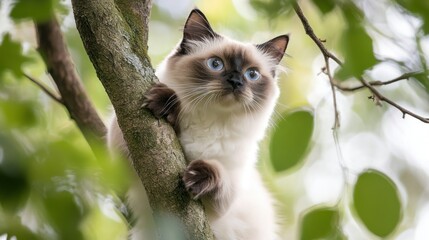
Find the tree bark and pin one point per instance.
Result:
(54, 51)
(114, 34)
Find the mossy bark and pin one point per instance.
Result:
(114, 34)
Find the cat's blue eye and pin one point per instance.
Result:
(215, 63)
(252, 74)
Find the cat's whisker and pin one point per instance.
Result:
(272, 122)
(170, 103)
(191, 105)
(182, 85)
(248, 111)
(215, 96)
(185, 106)
(208, 100)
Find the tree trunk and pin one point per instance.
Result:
(114, 34)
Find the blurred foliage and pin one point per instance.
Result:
(37, 10)
(273, 9)
(423, 79)
(356, 45)
(325, 6)
(19, 113)
(14, 227)
(52, 186)
(321, 223)
(291, 139)
(14, 182)
(377, 203)
(15, 58)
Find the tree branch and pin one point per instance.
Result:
(309, 31)
(380, 97)
(73, 96)
(404, 76)
(326, 55)
(53, 49)
(114, 34)
(334, 94)
(369, 85)
(45, 89)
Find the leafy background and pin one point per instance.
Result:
(367, 180)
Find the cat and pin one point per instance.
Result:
(219, 95)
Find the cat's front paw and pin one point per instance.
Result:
(162, 101)
(202, 178)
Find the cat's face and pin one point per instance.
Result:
(214, 72)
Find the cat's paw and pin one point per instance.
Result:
(162, 101)
(202, 178)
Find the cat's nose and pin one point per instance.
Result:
(235, 82)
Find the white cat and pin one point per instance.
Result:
(219, 94)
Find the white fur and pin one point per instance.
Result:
(210, 132)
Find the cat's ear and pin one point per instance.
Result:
(275, 47)
(197, 28)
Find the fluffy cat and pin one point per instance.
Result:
(219, 95)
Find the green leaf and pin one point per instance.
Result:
(291, 139)
(14, 189)
(64, 214)
(273, 9)
(11, 56)
(14, 184)
(376, 201)
(15, 113)
(356, 45)
(59, 157)
(38, 10)
(325, 6)
(321, 223)
(14, 227)
(422, 79)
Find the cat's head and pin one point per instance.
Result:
(212, 71)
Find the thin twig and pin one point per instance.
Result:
(309, 31)
(404, 76)
(327, 55)
(45, 89)
(334, 94)
(382, 98)
(369, 85)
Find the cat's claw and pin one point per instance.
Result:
(201, 178)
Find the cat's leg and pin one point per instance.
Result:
(163, 102)
(207, 180)
(257, 210)
(252, 215)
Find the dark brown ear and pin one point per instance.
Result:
(275, 47)
(197, 28)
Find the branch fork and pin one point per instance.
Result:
(376, 95)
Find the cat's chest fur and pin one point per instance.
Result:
(230, 140)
